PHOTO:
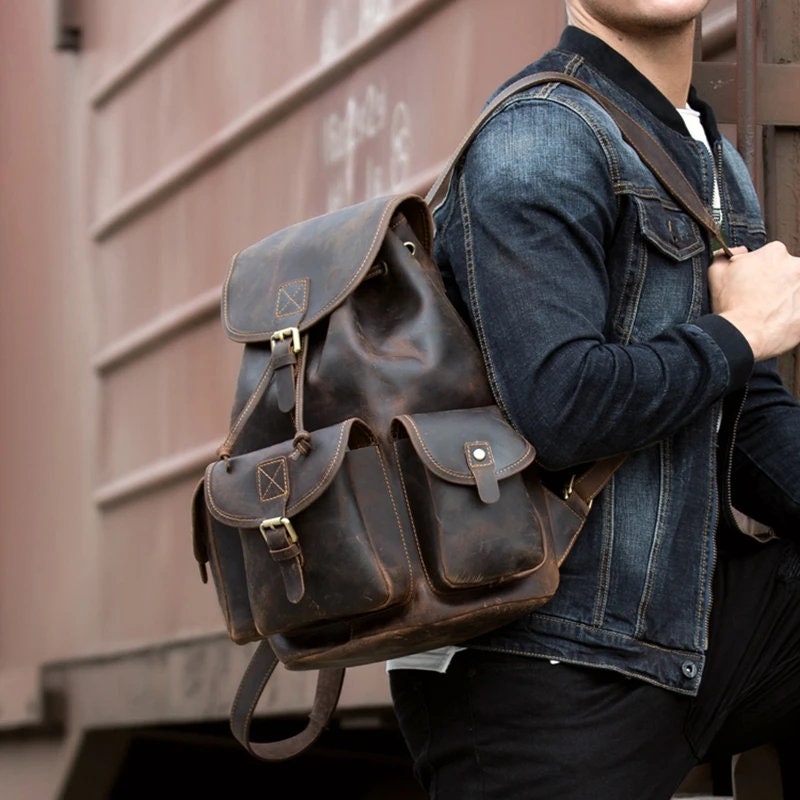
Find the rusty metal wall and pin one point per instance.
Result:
(132, 170)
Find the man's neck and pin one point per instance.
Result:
(665, 57)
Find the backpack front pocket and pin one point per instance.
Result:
(463, 474)
(319, 531)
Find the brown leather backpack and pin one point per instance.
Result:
(370, 500)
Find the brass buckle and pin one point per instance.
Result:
(279, 336)
(568, 489)
(276, 522)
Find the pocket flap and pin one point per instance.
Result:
(298, 275)
(454, 444)
(276, 481)
(669, 229)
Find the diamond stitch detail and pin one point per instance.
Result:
(291, 298)
(271, 477)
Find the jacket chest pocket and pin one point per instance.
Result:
(668, 229)
(665, 280)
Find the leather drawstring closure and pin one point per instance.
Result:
(225, 450)
(302, 443)
(278, 358)
(224, 455)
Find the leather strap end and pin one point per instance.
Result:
(481, 465)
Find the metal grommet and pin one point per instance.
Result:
(689, 669)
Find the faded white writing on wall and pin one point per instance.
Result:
(366, 148)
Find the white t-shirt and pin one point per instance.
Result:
(691, 119)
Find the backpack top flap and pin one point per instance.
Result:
(301, 273)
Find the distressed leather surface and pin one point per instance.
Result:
(370, 499)
(429, 499)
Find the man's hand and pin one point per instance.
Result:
(759, 293)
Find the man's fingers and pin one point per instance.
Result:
(737, 251)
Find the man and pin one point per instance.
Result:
(609, 326)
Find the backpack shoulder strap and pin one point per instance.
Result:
(640, 139)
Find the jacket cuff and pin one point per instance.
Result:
(734, 346)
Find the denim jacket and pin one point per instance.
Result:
(586, 286)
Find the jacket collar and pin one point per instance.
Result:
(619, 70)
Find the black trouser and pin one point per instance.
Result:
(507, 727)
